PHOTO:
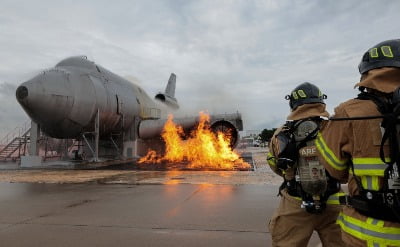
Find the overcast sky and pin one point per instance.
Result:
(228, 55)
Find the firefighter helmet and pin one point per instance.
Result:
(305, 93)
(384, 54)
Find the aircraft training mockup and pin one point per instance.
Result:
(111, 117)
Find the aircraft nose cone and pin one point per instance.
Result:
(46, 98)
(22, 93)
(29, 96)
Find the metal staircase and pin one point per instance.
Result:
(17, 142)
(14, 144)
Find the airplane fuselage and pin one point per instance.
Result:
(64, 100)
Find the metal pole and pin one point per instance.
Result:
(96, 129)
(45, 147)
(35, 134)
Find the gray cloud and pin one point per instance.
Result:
(228, 55)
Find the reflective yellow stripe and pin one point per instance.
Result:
(373, 244)
(376, 222)
(271, 159)
(334, 198)
(370, 182)
(328, 155)
(369, 166)
(296, 197)
(374, 233)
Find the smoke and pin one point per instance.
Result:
(207, 95)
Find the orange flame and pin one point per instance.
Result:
(202, 150)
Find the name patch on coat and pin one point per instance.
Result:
(308, 151)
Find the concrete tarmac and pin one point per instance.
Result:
(56, 207)
(137, 214)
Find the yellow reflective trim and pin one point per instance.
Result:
(375, 183)
(370, 172)
(375, 222)
(370, 182)
(328, 154)
(363, 161)
(301, 93)
(295, 197)
(387, 51)
(373, 52)
(333, 202)
(294, 94)
(369, 232)
(271, 159)
(334, 198)
(365, 183)
(369, 220)
(369, 166)
(372, 244)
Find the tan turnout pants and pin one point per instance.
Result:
(291, 225)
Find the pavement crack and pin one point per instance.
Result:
(174, 211)
(27, 221)
(193, 194)
(76, 204)
(144, 228)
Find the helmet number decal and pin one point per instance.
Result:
(373, 53)
(386, 51)
(299, 93)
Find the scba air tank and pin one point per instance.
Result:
(311, 173)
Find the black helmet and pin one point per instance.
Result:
(305, 93)
(384, 54)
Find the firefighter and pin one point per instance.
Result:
(359, 147)
(309, 197)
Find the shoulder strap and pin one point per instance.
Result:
(390, 113)
(383, 106)
(388, 124)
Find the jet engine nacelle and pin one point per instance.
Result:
(229, 124)
(167, 100)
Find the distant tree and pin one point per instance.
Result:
(266, 134)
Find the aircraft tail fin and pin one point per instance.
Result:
(168, 97)
(170, 89)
